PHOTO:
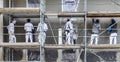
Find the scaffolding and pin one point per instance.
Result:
(41, 13)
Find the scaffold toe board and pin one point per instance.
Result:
(104, 46)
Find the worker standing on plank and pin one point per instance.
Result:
(113, 32)
(42, 29)
(11, 30)
(95, 31)
(69, 32)
(28, 27)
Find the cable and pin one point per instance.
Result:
(52, 31)
(101, 59)
(108, 28)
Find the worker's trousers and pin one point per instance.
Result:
(12, 38)
(29, 36)
(41, 38)
(69, 38)
(94, 37)
(113, 38)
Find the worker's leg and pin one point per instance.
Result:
(68, 39)
(96, 39)
(111, 38)
(10, 38)
(31, 37)
(43, 39)
(40, 38)
(92, 39)
(115, 38)
(26, 37)
(14, 39)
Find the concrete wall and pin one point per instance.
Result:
(19, 3)
(103, 5)
(6, 3)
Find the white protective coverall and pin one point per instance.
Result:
(10, 27)
(42, 28)
(113, 32)
(69, 32)
(28, 27)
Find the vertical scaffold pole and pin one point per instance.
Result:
(59, 59)
(85, 37)
(42, 18)
(1, 30)
(10, 3)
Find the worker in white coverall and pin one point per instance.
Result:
(113, 32)
(41, 29)
(11, 30)
(69, 32)
(95, 31)
(28, 27)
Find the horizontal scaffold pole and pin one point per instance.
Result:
(59, 14)
(35, 45)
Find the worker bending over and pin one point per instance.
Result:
(28, 27)
(11, 30)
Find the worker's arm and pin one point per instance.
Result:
(38, 28)
(45, 27)
(25, 27)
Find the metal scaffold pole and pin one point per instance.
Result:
(1, 30)
(85, 37)
(42, 10)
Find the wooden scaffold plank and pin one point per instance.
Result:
(104, 46)
(19, 10)
(115, 14)
(71, 14)
(36, 45)
(24, 45)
